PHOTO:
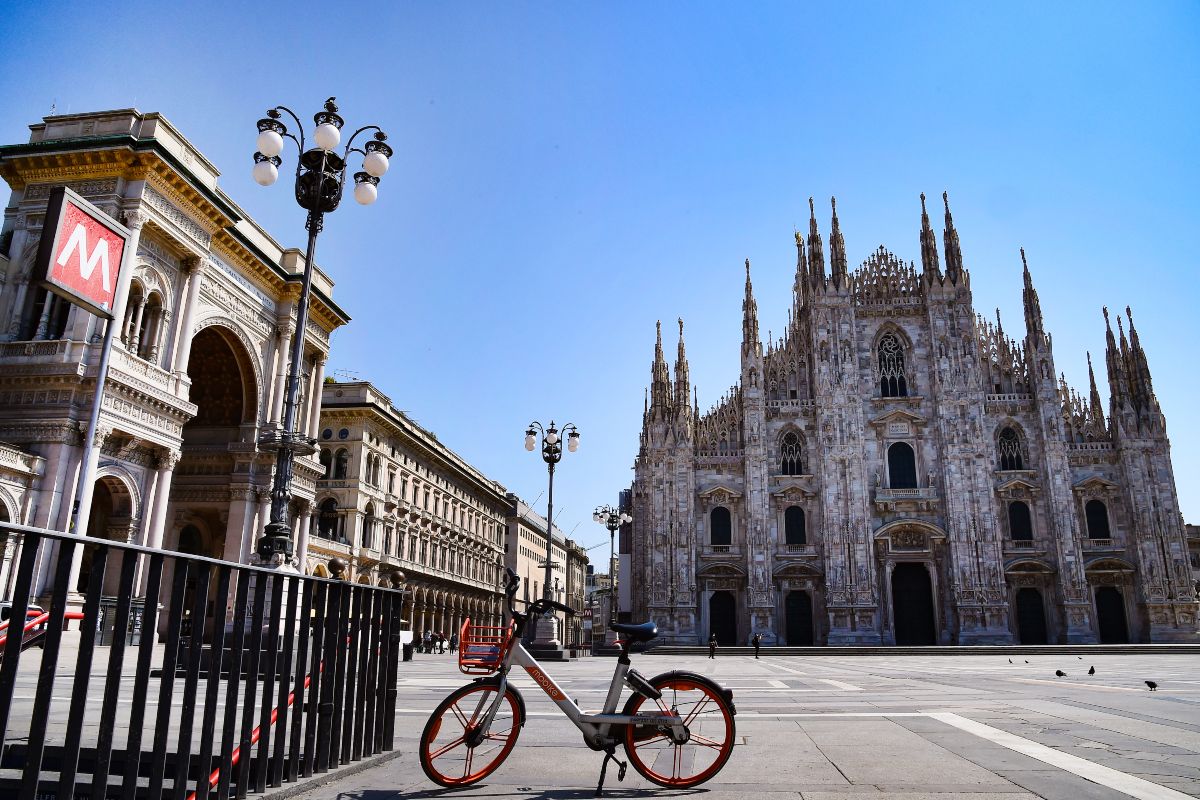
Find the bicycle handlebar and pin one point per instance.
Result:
(513, 581)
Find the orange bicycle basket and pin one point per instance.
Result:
(482, 648)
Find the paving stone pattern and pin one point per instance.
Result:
(854, 728)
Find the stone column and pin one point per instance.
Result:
(85, 502)
(314, 411)
(135, 330)
(18, 273)
(306, 519)
(181, 352)
(156, 529)
(282, 336)
(241, 511)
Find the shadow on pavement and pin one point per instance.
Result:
(523, 792)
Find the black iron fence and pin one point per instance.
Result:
(186, 677)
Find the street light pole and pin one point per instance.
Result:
(612, 519)
(320, 178)
(551, 454)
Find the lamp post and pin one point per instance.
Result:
(551, 454)
(320, 177)
(612, 519)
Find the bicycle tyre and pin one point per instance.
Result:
(447, 757)
(704, 707)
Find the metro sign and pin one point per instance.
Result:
(80, 254)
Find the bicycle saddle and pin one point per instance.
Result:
(642, 632)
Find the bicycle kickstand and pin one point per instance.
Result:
(608, 754)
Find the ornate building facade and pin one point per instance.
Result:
(525, 554)
(199, 362)
(393, 497)
(895, 469)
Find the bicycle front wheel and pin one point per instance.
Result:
(454, 749)
(708, 719)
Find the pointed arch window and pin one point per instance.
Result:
(720, 527)
(794, 530)
(1008, 446)
(791, 455)
(902, 466)
(1020, 523)
(892, 382)
(1097, 520)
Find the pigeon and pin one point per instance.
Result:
(1092, 671)
(1079, 657)
(1027, 661)
(1010, 661)
(1152, 685)
(1060, 673)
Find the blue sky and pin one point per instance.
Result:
(567, 173)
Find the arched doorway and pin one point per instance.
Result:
(722, 617)
(1031, 617)
(799, 619)
(110, 518)
(1110, 615)
(912, 605)
(208, 487)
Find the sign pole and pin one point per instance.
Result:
(82, 508)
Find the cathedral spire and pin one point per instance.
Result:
(954, 267)
(800, 284)
(1033, 307)
(660, 378)
(682, 381)
(1095, 407)
(816, 255)
(929, 253)
(751, 347)
(1117, 388)
(1139, 367)
(837, 250)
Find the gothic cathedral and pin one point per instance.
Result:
(897, 470)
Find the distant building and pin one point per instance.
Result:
(896, 469)
(525, 554)
(393, 497)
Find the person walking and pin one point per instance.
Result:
(712, 646)
(756, 640)
(441, 642)
(427, 642)
(453, 642)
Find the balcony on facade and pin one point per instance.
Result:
(915, 499)
(796, 551)
(721, 551)
(1106, 545)
(1023, 547)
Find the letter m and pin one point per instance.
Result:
(87, 263)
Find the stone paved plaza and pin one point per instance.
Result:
(853, 728)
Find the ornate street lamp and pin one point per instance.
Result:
(551, 454)
(612, 519)
(320, 177)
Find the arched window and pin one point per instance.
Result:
(720, 526)
(327, 519)
(327, 463)
(1020, 525)
(1009, 446)
(341, 464)
(791, 461)
(149, 319)
(793, 526)
(892, 382)
(1097, 520)
(902, 466)
(368, 534)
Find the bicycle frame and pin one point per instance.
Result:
(596, 728)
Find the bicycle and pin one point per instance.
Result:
(677, 728)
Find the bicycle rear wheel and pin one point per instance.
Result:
(706, 715)
(453, 749)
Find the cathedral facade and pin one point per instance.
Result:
(895, 469)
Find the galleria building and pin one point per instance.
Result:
(896, 470)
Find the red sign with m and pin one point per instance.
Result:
(80, 254)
